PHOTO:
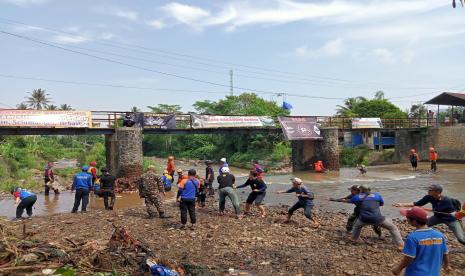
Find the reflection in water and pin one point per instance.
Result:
(395, 183)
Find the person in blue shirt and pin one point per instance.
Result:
(425, 249)
(186, 197)
(25, 200)
(305, 200)
(257, 195)
(82, 184)
(369, 204)
(443, 208)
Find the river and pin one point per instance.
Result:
(396, 183)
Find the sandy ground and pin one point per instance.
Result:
(214, 247)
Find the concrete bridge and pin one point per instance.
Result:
(124, 153)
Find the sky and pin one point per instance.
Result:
(113, 55)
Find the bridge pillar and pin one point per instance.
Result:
(306, 152)
(130, 155)
(111, 153)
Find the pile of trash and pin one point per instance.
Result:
(121, 253)
(127, 184)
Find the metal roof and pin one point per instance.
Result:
(448, 98)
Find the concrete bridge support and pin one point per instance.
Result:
(124, 152)
(306, 152)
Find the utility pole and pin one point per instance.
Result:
(231, 83)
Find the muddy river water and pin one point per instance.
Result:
(396, 183)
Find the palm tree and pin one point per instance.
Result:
(65, 107)
(346, 110)
(22, 106)
(38, 99)
(52, 107)
(135, 109)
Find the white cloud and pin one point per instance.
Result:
(127, 14)
(330, 49)
(25, 2)
(70, 39)
(186, 14)
(156, 24)
(245, 13)
(384, 56)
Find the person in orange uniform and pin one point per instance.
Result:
(170, 167)
(413, 157)
(433, 157)
(318, 166)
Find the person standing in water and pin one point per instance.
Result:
(209, 177)
(107, 182)
(257, 195)
(413, 157)
(82, 183)
(433, 158)
(305, 200)
(49, 178)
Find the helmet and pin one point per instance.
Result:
(225, 170)
(223, 159)
(85, 168)
(93, 163)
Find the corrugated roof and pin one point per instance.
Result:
(448, 98)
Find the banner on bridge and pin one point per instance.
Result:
(300, 128)
(154, 120)
(45, 118)
(209, 121)
(366, 123)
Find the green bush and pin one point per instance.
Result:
(351, 157)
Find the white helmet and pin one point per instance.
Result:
(225, 170)
(223, 160)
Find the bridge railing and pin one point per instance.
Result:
(112, 119)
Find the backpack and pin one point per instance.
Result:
(456, 203)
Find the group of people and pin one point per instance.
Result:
(425, 249)
(433, 158)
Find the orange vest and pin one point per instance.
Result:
(433, 156)
(318, 166)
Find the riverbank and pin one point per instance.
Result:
(217, 244)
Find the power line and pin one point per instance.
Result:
(174, 55)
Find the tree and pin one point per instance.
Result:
(65, 107)
(38, 99)
(135, 109)
(346, 110)
(52, 107)
(22, 106)
(244, 104)
(376, 107)
(166, 108)
(417, 110)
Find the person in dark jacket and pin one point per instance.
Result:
(257, 195)
(186, 197)
(128, 120)
(82, 184)
(107, 187)
(370, 214)
(226, 188)
(444, 209)
(49, 178)
(305, 200)
(209, 177)
(25, 200)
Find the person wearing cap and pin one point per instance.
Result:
(82, 184)
(305, 200)
(354, 190)
(187, 192)
(209, 177)
(25, 200)
(223, 164)
(181, 176)
(107, 187)
(425, 249)
(370, 214)
(433, 158)
(226, 188)
(150, 187)
(257, 195)
(413, 157)
(444, 209)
